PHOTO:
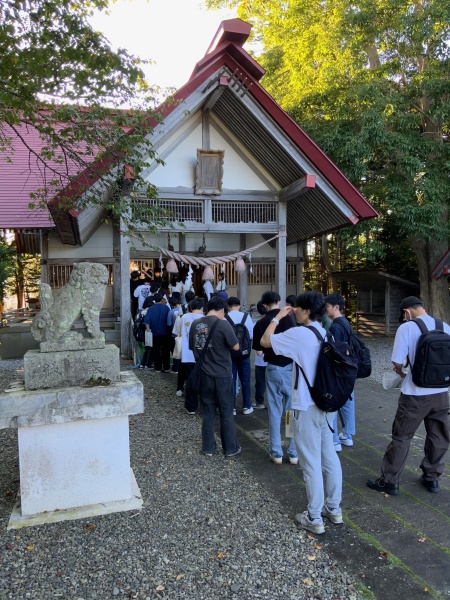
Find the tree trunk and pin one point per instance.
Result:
(434, 294)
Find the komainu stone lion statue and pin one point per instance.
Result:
(83, 295)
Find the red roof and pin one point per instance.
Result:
(224, 51)
(25, 174)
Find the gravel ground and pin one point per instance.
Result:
(208, 529)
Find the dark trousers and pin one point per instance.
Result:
(147, 359)
(191, 400)
(260, 384)
(161, 352)
(217, 393)
(242, 368)
(181, 377)
(432, 409)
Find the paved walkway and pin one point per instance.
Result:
(399, 547)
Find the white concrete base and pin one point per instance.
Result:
(17, 521)
(74, 464)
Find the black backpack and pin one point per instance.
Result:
(431, 368)
(337, 368)
(243, 336)
(360, 350)
(139, 328)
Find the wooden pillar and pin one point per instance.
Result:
(280, 264)
(299, 270)
(242, 275)
(44, 256)
(206, 139)
(125, 300)
(117, 275)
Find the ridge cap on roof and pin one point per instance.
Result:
(230, 30)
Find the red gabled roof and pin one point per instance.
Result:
(226, 51)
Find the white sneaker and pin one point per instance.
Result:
(277, 459)
(346, 440)
(333, 514)
(247, 411)
(315, 526)
(234, 411)
(338, 447)
(179, 393)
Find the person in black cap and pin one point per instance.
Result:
(416, 404)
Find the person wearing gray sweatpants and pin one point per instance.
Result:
(313, 437)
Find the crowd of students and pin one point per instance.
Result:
(280, 338)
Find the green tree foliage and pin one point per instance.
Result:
(370, 82)
(60, 80)
(7, 263)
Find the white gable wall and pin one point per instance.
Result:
(179, 152)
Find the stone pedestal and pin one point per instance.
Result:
(73, 449)
(74, 464)
(70, 368)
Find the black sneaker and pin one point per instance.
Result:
(380, 485)
(238, 451)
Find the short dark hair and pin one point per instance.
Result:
(216, 303)
(134, 274)
(233, 301)
(261, 308)
(314, 302)
(158, 297)
(154, 288)
(149, 301)
(335, 298)
(174, 300)
(196, 304)
(147, 280)
(173, 280)
(190, 295)
(270, 298)
(291, 300)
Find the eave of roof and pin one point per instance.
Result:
(372, 277)
(226, 51)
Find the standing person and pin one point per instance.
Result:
(221, 284)
(175, 310)
(318, 460)
(416, 404)
(156, 321)
(341, 331)
(175, 286)
(278, 377)
(147, 359)
(208, 291)
(135, 281)
(188, 297)
(195, 311)
(241, 366)
(260, 370)
(142, 291)
(217, 377)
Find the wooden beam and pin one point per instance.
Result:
(297, 188)
(215, 95)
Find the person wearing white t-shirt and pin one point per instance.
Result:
(187, 356)
(416, 404)
(312, 434)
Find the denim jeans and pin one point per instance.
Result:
(242, 368)
(217, 393)
(260, 384)
(347, 416)
(278, 386)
